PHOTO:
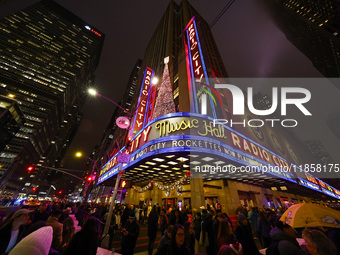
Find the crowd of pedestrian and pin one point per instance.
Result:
(183, 230)
(64, 240)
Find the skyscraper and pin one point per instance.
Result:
(47, 57)
(10, 120)
(314, 28)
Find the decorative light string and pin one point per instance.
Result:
(165, 188)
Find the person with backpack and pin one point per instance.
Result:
(284, 237)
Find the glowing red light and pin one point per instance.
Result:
(129, 138)
(30, 169)
(95, 32)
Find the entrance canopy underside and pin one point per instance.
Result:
(167, 168)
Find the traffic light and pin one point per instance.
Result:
(128, 143)
(29, 169)
(34, 189)
(60, 191)
(89, 179)
(124, 184)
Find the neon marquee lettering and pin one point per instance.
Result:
(143, 101)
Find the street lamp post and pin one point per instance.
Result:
(94, 92)
(108, 220)
(93, 172)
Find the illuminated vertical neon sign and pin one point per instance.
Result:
(143, 102)
(195, 66)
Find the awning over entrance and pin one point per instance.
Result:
(173, 144)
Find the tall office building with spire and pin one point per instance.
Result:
(47, 57)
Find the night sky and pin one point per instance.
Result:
(250, 44)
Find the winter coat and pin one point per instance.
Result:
(264, 228)
(5, 236)
(197, 228)
(83, 243)
(244, 236)
(208, 228)
(165, 238)
(169, 248)
(254, 220)
(130, 239)
(152, 224)
(287, 244)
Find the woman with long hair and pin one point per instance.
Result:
(176, 246)
(224, 236)
(86, 241)
(68, 232)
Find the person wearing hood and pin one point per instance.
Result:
(285, 238)
(166, 237)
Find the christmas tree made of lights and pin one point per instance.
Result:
(164, 101)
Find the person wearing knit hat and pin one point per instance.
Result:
(36, 243)
(11, 230)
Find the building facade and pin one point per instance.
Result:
(10, 120)
(48, 57)
(183, 157)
